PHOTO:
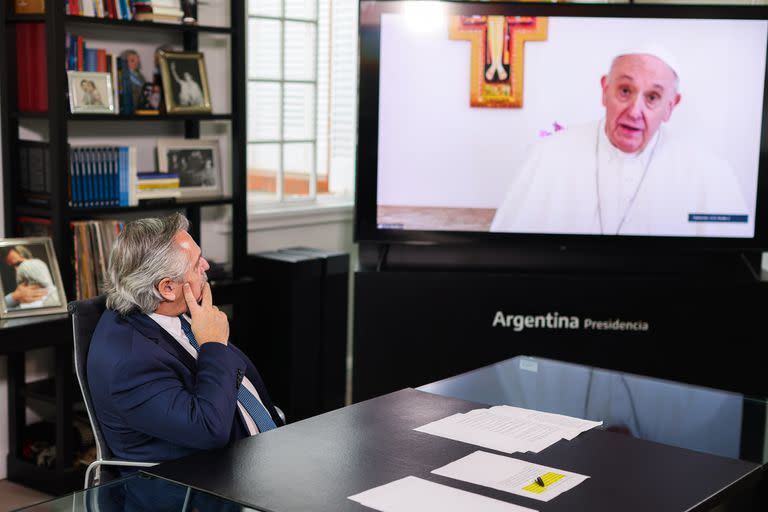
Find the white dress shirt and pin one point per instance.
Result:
(172, 326)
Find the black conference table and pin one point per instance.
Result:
(315, 464)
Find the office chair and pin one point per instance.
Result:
(85, 316)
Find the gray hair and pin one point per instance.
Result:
(144, 254)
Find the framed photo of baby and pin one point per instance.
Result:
(30, 283)
(185, 82)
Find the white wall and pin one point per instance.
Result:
(434, 150)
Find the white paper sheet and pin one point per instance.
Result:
(508, 429)
(411, 494)
(511, 475)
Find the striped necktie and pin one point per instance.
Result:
(252, 404)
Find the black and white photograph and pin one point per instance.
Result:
(196, 162)
(30, 282)
(90, 93)
(185, 82)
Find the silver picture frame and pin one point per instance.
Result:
(91, 93)
(30, 281)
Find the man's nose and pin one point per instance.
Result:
(205, 266)
(635, 109)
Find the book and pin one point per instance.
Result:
(31, 67)
(34, 172)
(29, 6)
(164, 18)
(33, 226)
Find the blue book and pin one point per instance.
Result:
(103, 176)
(91, 59)
(123, 172)
(98, 162)
(114, 185)
(72, 64)
(156, 176)
(77, 183)
(87, 181)
(72, 182)
(93, 189)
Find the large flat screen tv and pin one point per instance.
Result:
(572, 124)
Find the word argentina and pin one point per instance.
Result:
(556, 321)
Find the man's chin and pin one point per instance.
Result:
(628, 144)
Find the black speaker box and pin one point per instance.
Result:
(299, 327)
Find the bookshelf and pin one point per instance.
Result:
(61, 129)
(60, 124)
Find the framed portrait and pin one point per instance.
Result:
(185, 82)
(91, 93)
(30, 282)
(197, 163)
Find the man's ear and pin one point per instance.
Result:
(672, 104)
(603, 87)
(167, 289)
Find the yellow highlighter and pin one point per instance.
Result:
(540, 484)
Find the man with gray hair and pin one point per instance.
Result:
(164, 379)
(626, 174)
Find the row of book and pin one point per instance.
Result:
(82, 58)
(138, 10)
(98, 176)
(157, 185)
(93, 241)
(113, 9)
(102, 176)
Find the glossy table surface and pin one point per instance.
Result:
(315, 464)
(698, 418)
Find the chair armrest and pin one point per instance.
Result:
(114, 462)
(280, 413)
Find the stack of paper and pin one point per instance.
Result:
(509, 429)
(511, 475)
(411, 494)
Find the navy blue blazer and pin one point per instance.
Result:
(154, 402)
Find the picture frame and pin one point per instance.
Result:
(91, 93)
(30, 281)
(197, 163)
(185, 82)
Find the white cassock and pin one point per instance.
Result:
(577, 182)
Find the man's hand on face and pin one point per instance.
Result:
(208, 323)
(26, 293)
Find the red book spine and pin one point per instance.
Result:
(101, 60)
(111, 11)
(74, 7)
(41, 68)
(80, 52)
(23, 69)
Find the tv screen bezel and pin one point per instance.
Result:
(365, 226)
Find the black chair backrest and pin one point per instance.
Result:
(85, 316)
